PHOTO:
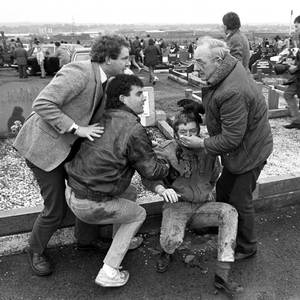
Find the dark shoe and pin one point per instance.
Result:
(101, 246)
(231, 288)
(135, 242)
(292, 125)
(163, 262)
(40, 265)
(241, 255)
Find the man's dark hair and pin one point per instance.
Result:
(297, 20)
(57, 44)
(184, 117)
(107, 45)
(120, 85)
(232, 21)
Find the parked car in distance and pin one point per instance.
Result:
(81, 54)
(51, 62)
(285, 54)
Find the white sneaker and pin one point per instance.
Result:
(135, 242)
(120, 278)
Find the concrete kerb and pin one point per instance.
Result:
(15, 225)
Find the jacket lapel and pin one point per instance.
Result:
(100, 95)
(98, 89)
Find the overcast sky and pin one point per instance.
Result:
(147, 11)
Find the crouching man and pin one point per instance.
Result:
(99, 176)
(187, 192)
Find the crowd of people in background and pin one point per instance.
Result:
(265, 47)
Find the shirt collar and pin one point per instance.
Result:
(103, 76)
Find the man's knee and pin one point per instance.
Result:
(51, 220)
(54, 216)
(228, 212)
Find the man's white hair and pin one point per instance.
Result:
(215, 47)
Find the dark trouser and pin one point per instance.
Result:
(236, 189)
(22, 71)
(292, 102)
(52, 186)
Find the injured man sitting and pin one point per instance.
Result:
(187, 192)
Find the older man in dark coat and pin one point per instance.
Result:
(237, 123)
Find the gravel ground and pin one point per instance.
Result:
(18, 187)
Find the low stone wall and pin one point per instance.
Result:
(271, 193)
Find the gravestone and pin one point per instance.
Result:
(273, 98)
(148, 117)
(188, 93)
(172, 58)
(263, 65)
(16, 97)
(184, 56)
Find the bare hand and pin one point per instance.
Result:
(170, 195)
(193, 142)
(90, 131)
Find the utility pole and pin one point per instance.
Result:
(73, 25)
(291, 21)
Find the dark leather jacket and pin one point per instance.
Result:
(104, 168)
(193, 173)
(237, 118)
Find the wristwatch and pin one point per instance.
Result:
(74, 128)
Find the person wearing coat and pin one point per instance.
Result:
(187, 192)
(235, 39)
(98, 187)
(239, 131)
(293, 88)
(151, 59)
(20, 55)
(64, 111)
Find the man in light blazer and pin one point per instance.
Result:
(62, 112)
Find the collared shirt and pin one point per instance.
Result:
(102, 75)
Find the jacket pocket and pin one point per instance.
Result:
(45, 128)
(237, 160)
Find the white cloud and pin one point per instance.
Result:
(141, 11)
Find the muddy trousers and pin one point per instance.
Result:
(292, 102)
(52, 187)
(177, 215)
(126, 216)
(236, 190)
